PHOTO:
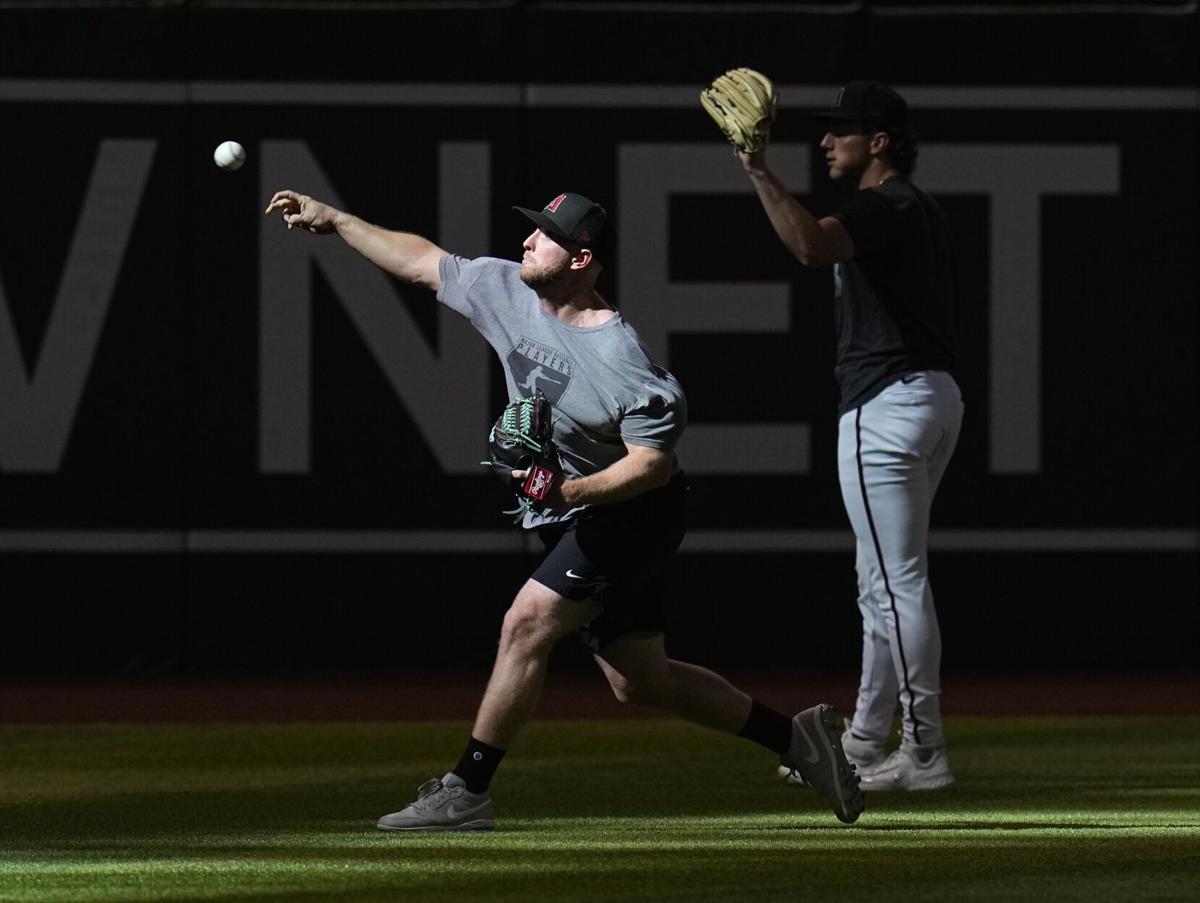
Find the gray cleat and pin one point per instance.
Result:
(443, 805)
(817, 758)
(864, 755)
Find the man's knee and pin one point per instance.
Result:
(525, 627)
(648, 688)
(538, 618)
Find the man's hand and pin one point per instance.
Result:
(553, 500)
(302, 211)
(755, 164)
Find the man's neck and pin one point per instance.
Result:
(878, 172)
(583, 308)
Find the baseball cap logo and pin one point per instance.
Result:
(553, 205)
(837, 101)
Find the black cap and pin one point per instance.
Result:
(571, 218)
(872, 102)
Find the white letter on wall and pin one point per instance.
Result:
(648, 175)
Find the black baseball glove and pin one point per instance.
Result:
(522, 439)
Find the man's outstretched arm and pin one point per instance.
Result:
(409, 257)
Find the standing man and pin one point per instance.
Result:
(610, 528)
(900, 408)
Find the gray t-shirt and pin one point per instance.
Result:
(604, 387)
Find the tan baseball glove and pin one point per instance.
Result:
(743, 103)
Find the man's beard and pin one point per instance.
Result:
(538, 278)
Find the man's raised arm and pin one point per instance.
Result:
(815, 242)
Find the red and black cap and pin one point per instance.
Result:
(571, 218)
(868, 101)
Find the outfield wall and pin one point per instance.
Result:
(225, 447)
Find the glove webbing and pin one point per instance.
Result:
(518, 421)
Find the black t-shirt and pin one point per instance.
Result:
(894, 301)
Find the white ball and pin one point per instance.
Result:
(229, 155)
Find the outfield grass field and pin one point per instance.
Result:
(1059, 808)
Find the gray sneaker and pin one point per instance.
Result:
(912, 767)
(862, 754)
(816, 757)
(444, 805)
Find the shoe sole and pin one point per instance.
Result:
(465, 826)
(923, 787)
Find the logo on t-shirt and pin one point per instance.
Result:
(536, 366)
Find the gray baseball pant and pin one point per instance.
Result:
(892, 452)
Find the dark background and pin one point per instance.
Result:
(164, 441)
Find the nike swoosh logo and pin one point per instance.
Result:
(813, 757)
(571, 573)
(454, 812)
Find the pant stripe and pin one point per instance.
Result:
(862, 482)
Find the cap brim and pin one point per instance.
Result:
(543, 222)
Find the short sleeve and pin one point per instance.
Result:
(871, 219)
(658, 417)
(458, 276)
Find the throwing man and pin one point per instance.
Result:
(609, 528)
(900, 408)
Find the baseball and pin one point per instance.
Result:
(229, 155)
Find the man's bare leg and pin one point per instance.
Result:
(537, 619)
(639, 672)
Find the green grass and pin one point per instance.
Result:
(1047, 809)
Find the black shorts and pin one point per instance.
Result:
(618, 554)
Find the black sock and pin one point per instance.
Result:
(477, 765)
(768, 728)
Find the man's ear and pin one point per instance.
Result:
(582, 259)
(880, 142)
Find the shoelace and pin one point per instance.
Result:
(431, 794)
(891, 761)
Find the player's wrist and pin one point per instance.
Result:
(571, 491)
(755, 164)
